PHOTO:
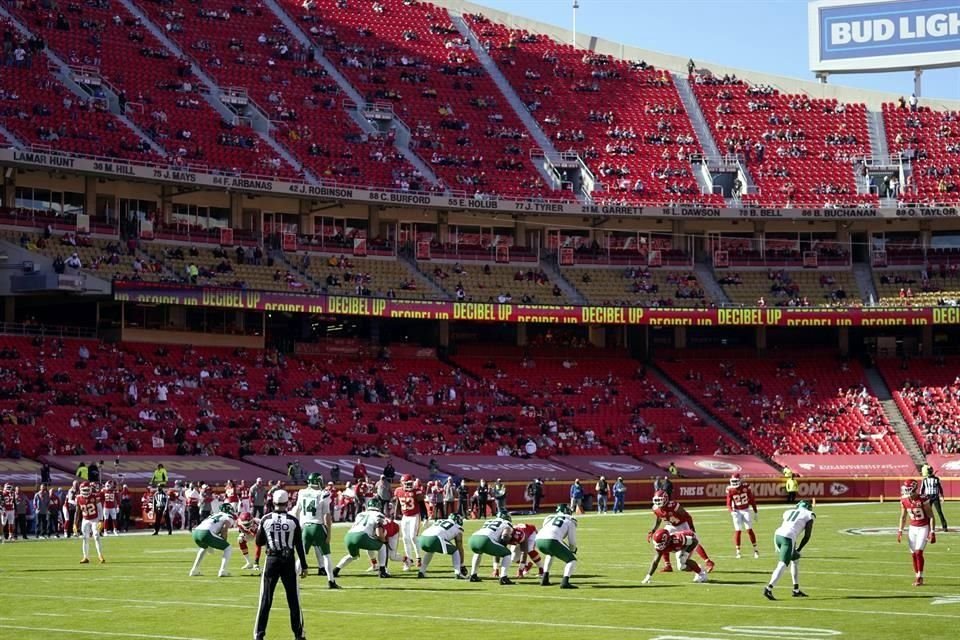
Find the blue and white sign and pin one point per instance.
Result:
(883, 35)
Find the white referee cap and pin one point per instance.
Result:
(280, 497)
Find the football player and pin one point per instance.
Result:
(212, 534)
(316, 517)
(796, 520)
(8, 513)
(525, 553)
(247, 527)
(367, 533)
(917, 509)
(88, 519)
(492, 538)
(550, 542)
(743, 509)
(681, 542)
(409, 501)
(676, 518)
(111, 508)
(443, 536)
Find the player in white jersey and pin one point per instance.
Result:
(796, 521)
(212, 534)
(550, 542)
(316, 517)
(492, 538)
(367, 533)
(443, 536)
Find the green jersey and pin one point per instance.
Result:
(497, 530)
(558, 527)
(313, 505)
(446, 530)
(368, 521)
(794, 522)
(216, 523)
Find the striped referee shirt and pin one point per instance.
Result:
(931, 488)
(280, 533)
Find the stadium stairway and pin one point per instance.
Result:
(556, 275)
(402, 139)
(65, 76)
(702, 412)
(878, 133)
(710, 285)
(880, 389)
(864, 278)
(10, 136)
(506, 89)
(17, 255)
(260, 123)
(692, 107)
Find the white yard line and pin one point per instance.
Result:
(106, 634)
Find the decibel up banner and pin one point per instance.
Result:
(137, 292)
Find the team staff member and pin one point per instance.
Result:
(281, 536)
(932, 490)
(159, 477)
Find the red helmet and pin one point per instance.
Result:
(661, 539)
(660, 499)
(246, 517)
(407, 481)
(85, 489)
(735, 480)
(909, 489)
(518, 536)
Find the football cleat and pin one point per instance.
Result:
(667, 568)
(421, 574)
(506, 580)
(545, 580)
(700, 577)
(756, 554)
(799, 594)
(768, 593)
(321, 571)
(565, 584)
(193, 573)
(738, 554)
(223, 574)
(384, 573)
(333, 585)
(709, 564)
(474, 578)
(85, 561)
(336, 572)
(918, 582)
(102, 560)
(246, 567)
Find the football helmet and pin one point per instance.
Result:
(375, 503)
(407, 481)
(246, 517)
(504, 515)
(457, 519)
(85, 489)
(909, 489)
(228, 509)
(315, 481)
(805, 504)
(735, 480)
(660, 499)
(661, 539)
(564, 509)
(107, 485)
(8, 487)
(518, 536)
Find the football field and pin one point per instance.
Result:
(859, 582)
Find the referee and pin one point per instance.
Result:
(932, 490)
(280, 533)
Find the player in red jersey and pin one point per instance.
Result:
(918, 510)
(409, 502)
(680, 542)
(743, 509)
(243, 491)
(8, 513)
(111, 508)
(88, 519)
(525, 554)
(247, 527)
(676, 518)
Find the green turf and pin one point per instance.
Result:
(859, 587)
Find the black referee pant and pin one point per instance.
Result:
(283, 568)
(935, 506)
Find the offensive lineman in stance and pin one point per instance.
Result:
(367, 533)
(796, 520)
(492, 538)
(550, 543)
(443, 536)
(316, 518)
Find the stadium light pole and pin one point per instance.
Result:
(576, 5)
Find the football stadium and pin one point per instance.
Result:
(324, 289)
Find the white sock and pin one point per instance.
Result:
(568, 569)
(226, 558)
(777, 573)
(427, 557)
(96, 543)
(504, 566)
(328, 566)
(476, 563)
(382, 556)
(547, 561)
(196, 562)
(316, 550)
(86, 548)
(795, 572)
(344, 561)
(456, 562)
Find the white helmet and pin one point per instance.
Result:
(280, 497)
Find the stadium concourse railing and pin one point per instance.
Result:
(508, 311)
(45, 330)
